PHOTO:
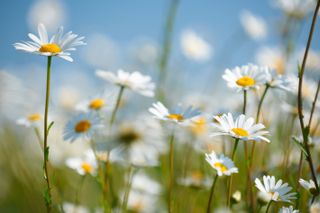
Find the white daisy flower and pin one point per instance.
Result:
(295, 8)
(222, 164)
(236, 197)
(241, 128)
(73, 208)
(310, 186)
(246, 77)
(84, 165)
(139, 143)
(82, 126)
(194, 47)
(272, 57)
(135, 81)
(196, 179)
(96, 103)
(272, 190)
(32, 120)
(275, 80)
(289, 209)
(59, 45)
(253, 25)
(178, 115)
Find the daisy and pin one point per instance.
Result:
(310, 186)
(253, 25)
(272, 57)
(96, 103)
(289, 209)
(135, 81)
(295, 8)
(59, 44)
(241, 128)
(275, 80)
(236, 197)
(82, 126)
(244, 78)
(178, 115)
(222, 164)
(275, 191)
(195, 179)
(73, 208)
(84, 165)
(31, 120)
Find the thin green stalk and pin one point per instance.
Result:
(39, 138)
(230, 178)
(268, 207)
(244, 102)
(47, 192)
(128, 188)
(114, 112)
(211, 193)
(305, 130)
(78, 190)
(171, 176)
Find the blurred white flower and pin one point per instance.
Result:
(68, 97)
(313, 62)
(195, 179)
(49, 12)
(194, 47)
(177, 115)
(275, 80)
(295, 8)
(101, 51)
(84, 165)
(271, 57)
(135, 81)
(59, 45)
(242, 128)
(32, 120)
(272, 190)
(73, 208)
(222, 164)
(244, 78)
(145, 51)
(96, 103)
(308, 185)
(315, 208)
(236, 197)
(253, 25)
(289, 209)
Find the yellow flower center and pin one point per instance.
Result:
(82, 126)
(87, 168)
(240, 132)
(197, 176)
(50, 48)
(34, 117)
(220, 166)
(245, 81)
(176, 117)
(96, 104)
(199, 126)
(279, 66)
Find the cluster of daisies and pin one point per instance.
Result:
(141, 143)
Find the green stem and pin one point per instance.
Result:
(114, 112)
(261, 102)
(171, 176)
(230, 178)
(127, 192)
(78, 190)
(244, 102)
(235, 148)
(39, 139)
(268, 207)
(211, 193)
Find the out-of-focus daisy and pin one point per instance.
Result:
(273, 58)
(253, 25)
(195, 179)
(135, 81)
(73, 208)
(315, 208)
(96, 103)
(241, 128)
(59, 45)
(222, 164)
(177, 115)
(139, 143)
(310, 186)
(199, 125)
(246, 77)
(275, 80)
(272, 190)
(289, 209)
(194, 47)
(82, 126)
(84, 165)
(236, 197)
(295, 8)
(32, 120)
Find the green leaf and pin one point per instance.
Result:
(49, 127)
(300, 145)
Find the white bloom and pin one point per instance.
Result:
(275, 80)
(254, 26)
(178, 115)
(194, 47)
(245, 77)
(135, 81)
(272, 190)
(84, 165)
(315, 208)
(82, 126)
(73, 208)
(310, 186)
(59, 45)
(196, 179)
(289, 209)
(32, 120)
(273, 58)
(223, 165)
(96, 103)
(242, 128)
(296, 8)
(144, 184)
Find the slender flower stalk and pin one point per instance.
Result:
(268, 206)
(211, 193)
(230, 179)
(39, 138)
(115, 110)
(47, 192)
(304, 129)
(171, 175)
(128, 187)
